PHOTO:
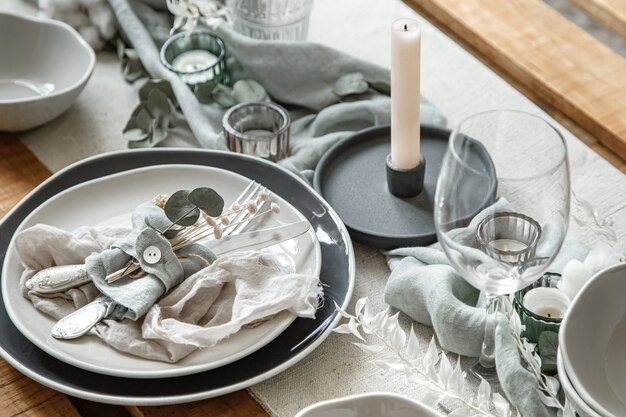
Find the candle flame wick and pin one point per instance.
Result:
(406, 27)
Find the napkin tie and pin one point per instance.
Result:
(134, 296)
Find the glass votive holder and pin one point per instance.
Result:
(197, 58)
(271, 19)
(541, 306)
(509, 237)
(258, 129)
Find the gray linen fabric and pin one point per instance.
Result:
(427, 288)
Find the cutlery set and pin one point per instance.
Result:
(78, 323)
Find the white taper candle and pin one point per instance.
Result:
(405, 93)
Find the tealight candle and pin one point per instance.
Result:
(194, 60)
(509, 245)
(546, 302)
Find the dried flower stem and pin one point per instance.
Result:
(428, 382)
(446, 382)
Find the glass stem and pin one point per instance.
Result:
(488, 352)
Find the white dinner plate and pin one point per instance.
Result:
(99, 201)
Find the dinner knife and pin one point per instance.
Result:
(82, 320)
(61, 278)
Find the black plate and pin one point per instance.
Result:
(352, 177)
(337, 274)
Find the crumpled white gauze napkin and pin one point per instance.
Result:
(237, 291)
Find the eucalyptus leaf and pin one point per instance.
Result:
(135, 135)
(204, 91)
(162, 85)
(180, 210)
(224, 96)
(172, 233)
(382, 87)
(140, 144)
(132, 68)
(131, 54)
(246, 91)
(144, 120)
(158, 134)
(548, 345)
(352, 83)
(120, 47)
(132, 71)
(207, 200)
(158, 103)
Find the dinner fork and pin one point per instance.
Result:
(240, 220)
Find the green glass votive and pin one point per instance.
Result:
(197, 58)
(543, 309)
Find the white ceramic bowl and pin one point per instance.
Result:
(44, 65)
(375, 404)
(581, 407)
(592, 340)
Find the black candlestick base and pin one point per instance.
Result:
(404, 183)
(388, 208)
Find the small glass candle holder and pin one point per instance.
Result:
(509, 237)
(541, 306)
(197, 58)
(258, 129)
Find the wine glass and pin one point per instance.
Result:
(503, 242)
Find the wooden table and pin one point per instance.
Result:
(557, 88)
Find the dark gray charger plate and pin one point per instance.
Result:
(304, 335)
(352, 178)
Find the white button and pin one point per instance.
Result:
(152, 255)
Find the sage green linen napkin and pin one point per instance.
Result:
(427, 288)
(133, 297)
(298, 75)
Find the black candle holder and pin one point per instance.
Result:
(386, 207)
(405, 183)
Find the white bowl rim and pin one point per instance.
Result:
(577, 402)
(390, 395)
(52, 22)
(586, 396)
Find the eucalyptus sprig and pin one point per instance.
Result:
(355, 83)
(198, 215)
(156, 113)
(403, 356)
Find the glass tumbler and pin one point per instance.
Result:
(258, 129)
(271, 19)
